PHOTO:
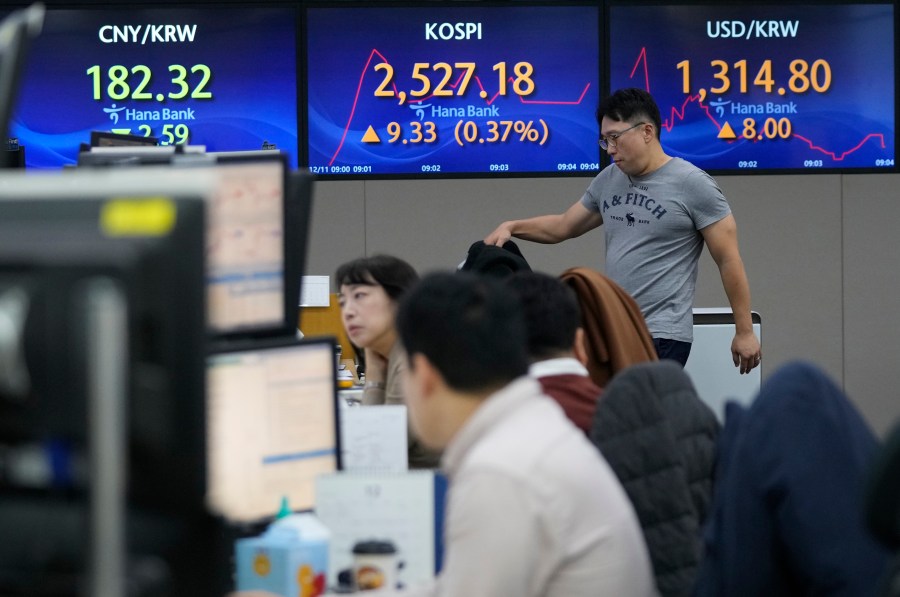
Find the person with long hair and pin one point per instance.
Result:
(370, 289)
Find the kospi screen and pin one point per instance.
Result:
(757, 87)
(223, 77)
(452, 90)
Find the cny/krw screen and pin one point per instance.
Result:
(222, 77)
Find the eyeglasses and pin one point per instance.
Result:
(610, 140)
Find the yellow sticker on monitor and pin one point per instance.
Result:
(153, 216)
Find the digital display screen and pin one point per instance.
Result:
(754, 87)
(452, 90)
(221, 77)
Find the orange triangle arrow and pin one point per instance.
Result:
(371, 136)
(727, 132)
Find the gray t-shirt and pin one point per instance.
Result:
(653, 243)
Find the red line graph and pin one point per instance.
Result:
(678, 115)
(455, 85)
(834, 155)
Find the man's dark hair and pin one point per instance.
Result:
(391, 273)
(469, 327)
(551, 313)
(631, 105)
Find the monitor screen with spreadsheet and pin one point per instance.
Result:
(272, 426)
(245, 246)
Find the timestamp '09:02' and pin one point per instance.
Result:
(120, 88)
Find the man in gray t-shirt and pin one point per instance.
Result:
(658, 211)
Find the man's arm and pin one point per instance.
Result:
(548, 229)
(721, 238)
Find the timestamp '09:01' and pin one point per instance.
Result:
(119, 87)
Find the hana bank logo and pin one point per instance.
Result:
(419, 109)
(114, 113)
(720, 106)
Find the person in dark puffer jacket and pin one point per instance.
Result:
(660, 440)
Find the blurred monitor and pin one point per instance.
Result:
(257, 235)
(252, 247)
(102, 393)
(17, 30)
(259, 224)
(272, 415)
(110, 139)
(127, 155)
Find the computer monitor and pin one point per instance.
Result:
(111, 139)
(273, 419)
(16, 32)
(249, 240)
(258, 230)
(127, 155)
(102, 286)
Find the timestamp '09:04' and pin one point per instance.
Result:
(122, 78)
